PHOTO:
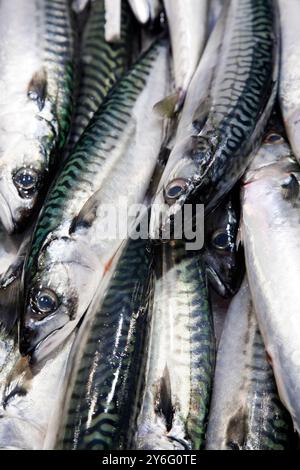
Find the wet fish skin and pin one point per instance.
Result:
(101, 65)
(187, 24)
(36, 42)
(270, 224)
(218, 145)
(289, 95)
(100, 416)
(141, 10)
(180, 357)
(29, 397)
(69, 257)
(246, 413)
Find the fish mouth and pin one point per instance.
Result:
(221, 287)
(6, 215)
(32, 350)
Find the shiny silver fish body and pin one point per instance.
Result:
(271, 238)
(30, 399)
(289, 86)
(141, 10)
(109, 356)
(180, 357)
(227, 119)
(245, 412)
(36, 56)
(187, 23)
(77, 234)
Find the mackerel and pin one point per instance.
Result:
(271, 234)
(245, 413)
(36, 58)
(101, 65)
(187, 23)
(111, 166)
(180, 357)
(215, 147)
(29, 396)
(109, 356)
(289, 87)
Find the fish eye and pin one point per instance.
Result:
(220, 240)
(175, 189)
(274, 138)
(45, 301)
(26, 180)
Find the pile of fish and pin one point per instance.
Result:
(127, 113)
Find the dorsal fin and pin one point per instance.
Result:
(165, 398)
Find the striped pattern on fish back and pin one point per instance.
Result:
(269, 424)
(93, 149)
(103, 396)
(101, 65)
(202, 350)
(243, 83)
(59, 58)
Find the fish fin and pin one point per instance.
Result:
(87, 215)
(201, 114)
(165, 398)
(290, 188)
(37, 88)
(168, 107)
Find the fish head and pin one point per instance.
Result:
(57, 297)
(23, 171)
(222, 252)
(180, 179)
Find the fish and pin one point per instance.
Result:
(181, 356)
(222, 253)
(155, 8)
(216, 145)
(36, 61)
(29, 396)
(245, 412)
(270, 235)
(141, 10)
(214, 12)
(102, 64)
(187, 24)
(76, 242)
(109, 356)
(289, 95)
(113, 20)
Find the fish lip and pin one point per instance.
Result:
(8, 222)
(32, 350)
(224, 289)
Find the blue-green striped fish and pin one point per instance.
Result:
(101, 64)
(111, 165)
(36, 62)
(246, 412)
(180, 358)
(110, 356)
(215, 149)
